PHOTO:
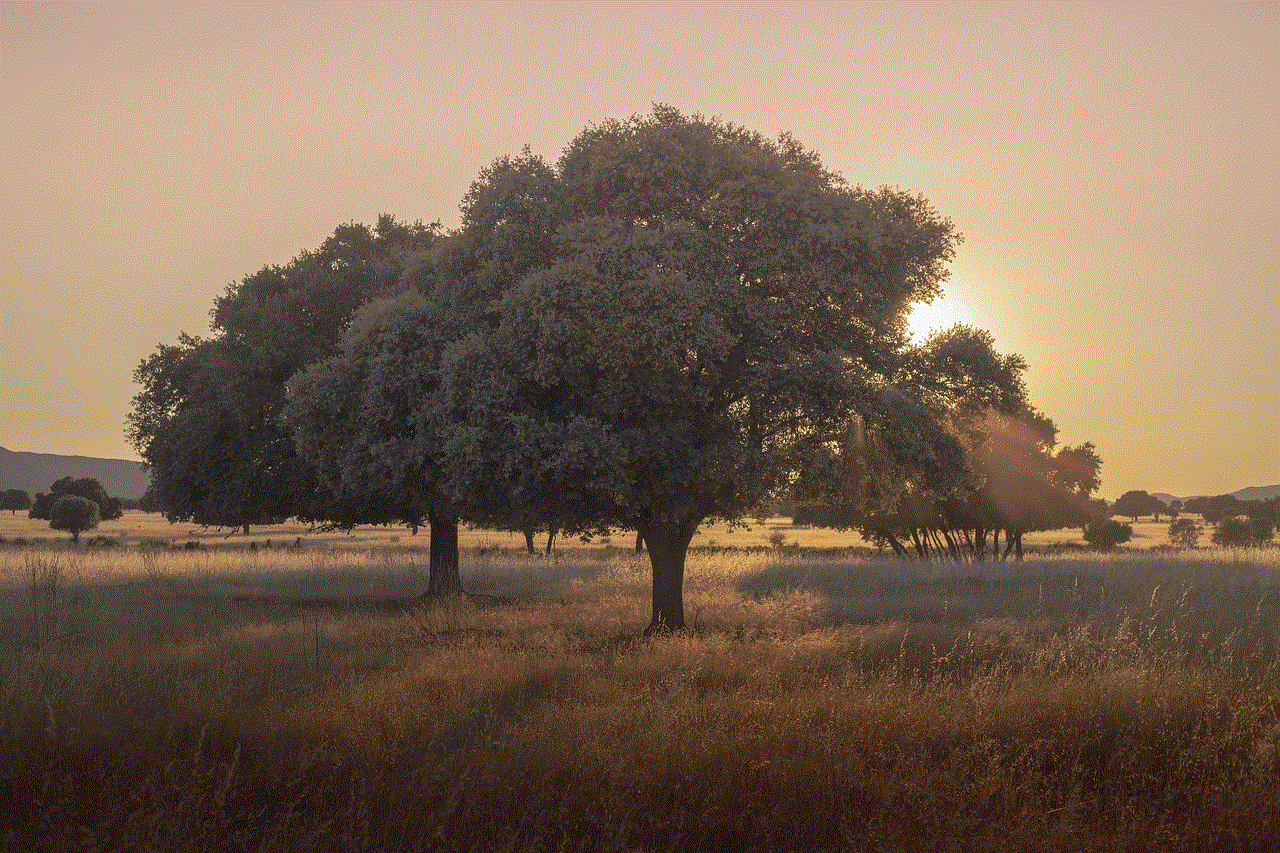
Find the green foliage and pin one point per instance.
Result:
(682, 349)
(1184, 533)
(1016, 482)
(715, 307)
(656, 331)
(1107, 534)
(74, 514)
(364, 418)
(207, 421)
(1243, 532)
(14, 500)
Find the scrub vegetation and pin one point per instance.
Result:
(305, 698)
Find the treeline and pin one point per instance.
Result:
(678, 321)
(1136, 503)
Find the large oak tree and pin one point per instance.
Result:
(716, 307)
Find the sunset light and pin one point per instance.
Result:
(524, 426)
(942, 313)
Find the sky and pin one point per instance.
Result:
(1114, 169)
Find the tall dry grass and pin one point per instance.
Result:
(303, 700)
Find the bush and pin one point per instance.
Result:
(1184, 533)
(74, 514)
(1105, 535)
(1241, 532)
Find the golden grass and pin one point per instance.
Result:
(301, 699)
(136, 527)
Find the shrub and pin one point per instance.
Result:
(1105, 535)
(1241, 532)
(1184, 533)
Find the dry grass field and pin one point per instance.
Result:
(301, 698)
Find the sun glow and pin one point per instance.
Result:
(942, 313)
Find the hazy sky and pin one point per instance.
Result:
(1115, 171)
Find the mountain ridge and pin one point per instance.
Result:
(36, 472)
(1248, 493)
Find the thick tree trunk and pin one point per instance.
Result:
(528, 540)
(443, 579)
(980, 544)
(639, 543)
(668, 543)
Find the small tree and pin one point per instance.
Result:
(109, 508)
(74, 514)
(14, 500)
(1105, 535)
(1184, 533)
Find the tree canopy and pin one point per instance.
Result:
(1136, 503)
(89, 488)
(715, 307)
(14, 500)
(207, 420)
(74, 514)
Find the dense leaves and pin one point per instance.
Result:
(74, 514)
(1001, 472)
(1105, 534)
(716, 306)
(14, 500)
(208, 419)
(109, 508)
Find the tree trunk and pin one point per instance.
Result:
(528, 539)
(442, 574)
(1012, 539)
(551, 539)
(893, 541)
(980, 544)
(668, 543)
(639, 543)
(246, 530)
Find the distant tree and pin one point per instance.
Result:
(1137, 503)
(41, 505)
(1242, 532)
(1214, 509)
(74, 514)
(1184, 533)
(109, 508)
(14, 500)
(1105, 535)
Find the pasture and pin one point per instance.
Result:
(301, 698)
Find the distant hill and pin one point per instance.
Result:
(1258, 493)
(35, 472)
(1252, 493)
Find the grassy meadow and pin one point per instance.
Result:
(301, 698)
